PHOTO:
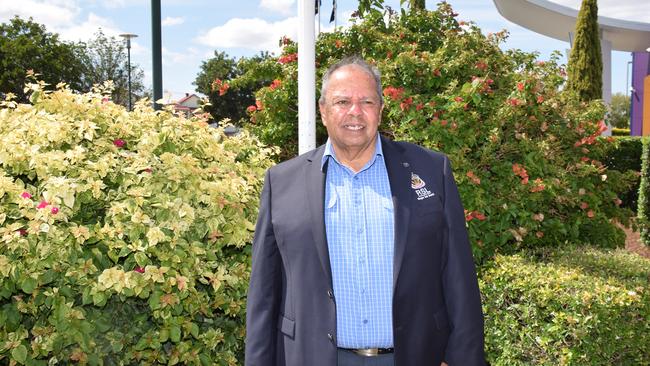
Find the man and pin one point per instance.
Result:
(361, 255)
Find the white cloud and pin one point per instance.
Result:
(285, 7)
(190, 55)
(252, 33)
(170, 21)
(86, 30)
(52, 13)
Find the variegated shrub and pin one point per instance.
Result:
(123, 235)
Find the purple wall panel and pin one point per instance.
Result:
(640, 69)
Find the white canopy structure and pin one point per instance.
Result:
(557, 21)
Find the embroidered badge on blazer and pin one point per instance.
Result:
(419, 186)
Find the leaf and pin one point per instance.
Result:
(175, 333)
(19, 354)
(28, 285)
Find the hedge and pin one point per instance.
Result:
(624, 155)
(576, 306)
(123, 235)
(643, 210)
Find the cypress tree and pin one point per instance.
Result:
(585, 66)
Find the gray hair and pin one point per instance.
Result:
(351, 60)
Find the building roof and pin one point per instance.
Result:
(557, 21)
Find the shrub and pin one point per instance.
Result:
(624, 155)
(643, 209)
(123, 236)
(579, 306)
(524, 154)
(620, 131)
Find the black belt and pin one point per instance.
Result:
(369, 352)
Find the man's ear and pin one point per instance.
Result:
(323, 114)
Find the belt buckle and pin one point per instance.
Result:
(368, 352)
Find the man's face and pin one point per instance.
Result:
(352, 110)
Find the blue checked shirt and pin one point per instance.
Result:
(359, 225)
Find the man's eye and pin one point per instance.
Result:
(341, 103)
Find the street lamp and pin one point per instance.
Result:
(128, 37)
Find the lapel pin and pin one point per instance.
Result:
(405, 165)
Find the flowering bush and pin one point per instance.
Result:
(575, 306)
(525, 155)
(123, 236)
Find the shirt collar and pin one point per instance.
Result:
(329, 152)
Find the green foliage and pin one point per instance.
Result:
(619, 112)
(585, 67)
(525, 155)
(643, 209)
(624, 155)
(26, 45)
(123, 236)
(579, 306)
(228, 100)
(105, 58)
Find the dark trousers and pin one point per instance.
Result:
(347, 358)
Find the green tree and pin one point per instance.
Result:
(417, 4)
(228, 100)
(619, 111)
(26, 45)
(105, 58)
(585, 68)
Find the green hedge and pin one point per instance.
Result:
(123, 235)
(620, 131)
(643, 208)
(580, 306)
(624, 155)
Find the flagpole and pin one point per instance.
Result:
(306, 76)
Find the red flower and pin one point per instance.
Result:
(54, 210)
(514, 101)
(25, 195)
(474, 215)
(338, 43)
(288, 58)
(275, 84)
(393, 92)
(458, 99)
(42, 204)
(520, 86)
(389, 54)
(119, 142)
(406, 104)
(251, 109)
(539, 186)
(443, 123)
(223, 89)
(22, 232)
(521, 172)
(584, 205)
(540, 99)
(481, 65)
(419, 107)
(139, 269)
(148, 170)
(473, 178)
(436, 72)
(590, 213)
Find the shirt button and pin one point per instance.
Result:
(365, 321)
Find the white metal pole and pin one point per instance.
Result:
(306, 76)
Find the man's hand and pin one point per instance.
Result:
(444, 364)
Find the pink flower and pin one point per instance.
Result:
(590, 213)
(139, 269)
(25, 195)
(119, 142)
(54, 210)
(42, 204)
(251, 109)
(584, 205)
(22, 232)
(275, 84)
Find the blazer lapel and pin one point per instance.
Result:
(316, 197)
(399, 175)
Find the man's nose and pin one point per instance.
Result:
(355, 108)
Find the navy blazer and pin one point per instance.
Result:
(291, 311)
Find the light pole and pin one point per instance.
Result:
(128, 37)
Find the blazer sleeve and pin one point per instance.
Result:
(460, 284)
(264, 291)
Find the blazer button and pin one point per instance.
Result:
(331, 337)
(330, 294)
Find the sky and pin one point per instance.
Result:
(194, 29)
